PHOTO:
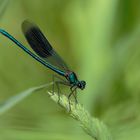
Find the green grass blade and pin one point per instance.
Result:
(92, 126)
(9, 103)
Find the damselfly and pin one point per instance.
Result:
(47, 56)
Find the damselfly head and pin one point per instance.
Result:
(81, 84)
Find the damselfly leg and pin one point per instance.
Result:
(58, 81)
(74, 93)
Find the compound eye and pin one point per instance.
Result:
(79, 85)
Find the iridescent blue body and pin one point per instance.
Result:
(46, 55)
(31, 54)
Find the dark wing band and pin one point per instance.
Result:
(41, 45)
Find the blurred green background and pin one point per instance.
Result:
(99, 40)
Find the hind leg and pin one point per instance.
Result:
(75, 96)
(58, 81)
(73, 90)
